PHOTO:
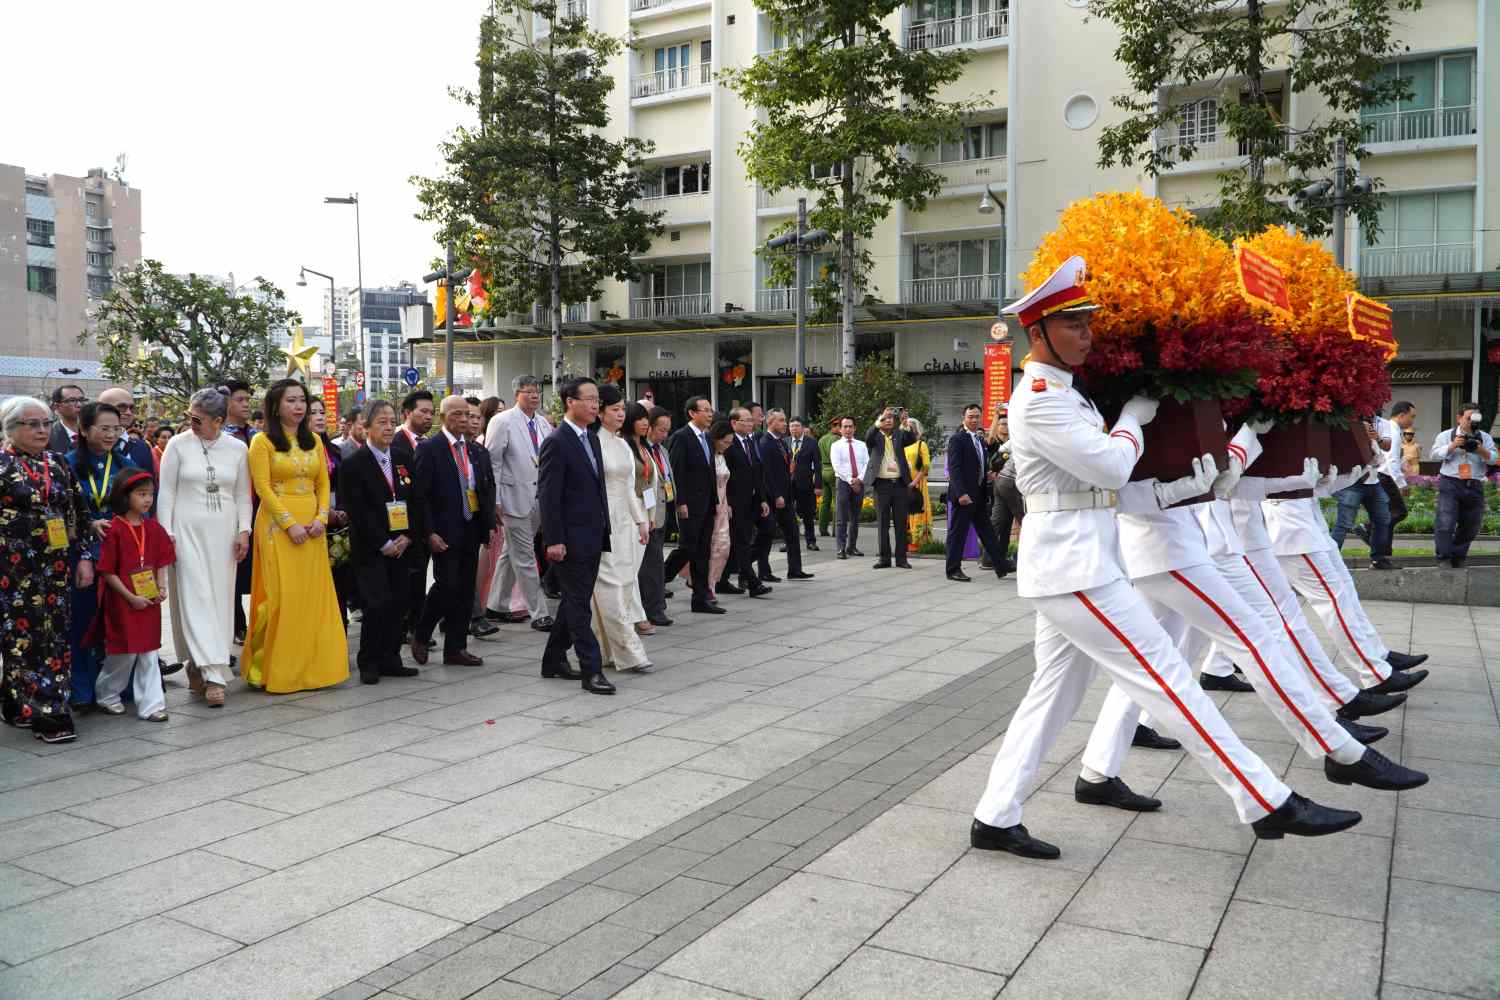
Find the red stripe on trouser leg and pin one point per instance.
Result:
(1245, 641)
(1172, 696)
(1291, 634)
(1339, 613)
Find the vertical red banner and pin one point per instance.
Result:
(331, 395)
(997, 364)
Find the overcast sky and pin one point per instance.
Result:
(237, 118)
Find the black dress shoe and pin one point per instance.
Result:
(420, 650)
(1012, 839)
(171, 668)
(1213, 682)
(553, 592)
(855, 552)
(799, 575)
(479, 628)
(903, 564)
(824, 533)
(497, 616)
(1302, 817)
(782, 549)
(1401, 661)
(667, 595)
(811, 545)
(368, 677)
(399, 672)
(1382, 564)
(1365, 734)
(842, 555)
(1444, 563)
(566, 672)
(708, 609)
(1373, 770)
(1367, 702)
(759, 590)
(728, 588)
(542, 624)
(1458, 561)
(598, 684)
(769, 577)
(1150, 739)
(882, 565)
(1113, 792)
(513, 617)
(959, 576)
(660, 621)
(1400, 680)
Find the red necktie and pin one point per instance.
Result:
(853, 462)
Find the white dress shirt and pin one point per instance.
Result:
(839, 454)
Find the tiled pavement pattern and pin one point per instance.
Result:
(781, 810)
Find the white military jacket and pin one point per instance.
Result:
(1060, 445)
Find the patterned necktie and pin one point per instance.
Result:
(531, 427)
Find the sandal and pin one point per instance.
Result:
(157, 717)
(214, 695)
(55, 735)
(116, 709)
(194, 679)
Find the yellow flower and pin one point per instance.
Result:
(1316, 285)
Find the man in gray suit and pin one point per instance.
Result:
(514, 439)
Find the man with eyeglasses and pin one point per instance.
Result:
(133, 448)
(67, 401)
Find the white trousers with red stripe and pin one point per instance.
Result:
(1324, 677)
(1112, 626)
(1323, 579)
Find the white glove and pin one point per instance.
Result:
(1310, 472)
(1143, 409)
(1326, 480)
(1230, 478)
(1260, 427)
(1205, 471)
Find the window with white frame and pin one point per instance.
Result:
(1440, 102)
(1426, 233)
(677, 179)
(1198, 122)
(956, 270)
(978, 142)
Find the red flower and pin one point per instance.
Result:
(22, 624)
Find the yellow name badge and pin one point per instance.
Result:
(671, 491)
(472, 496)
(144, 584)
(57, 533)
(395, 515)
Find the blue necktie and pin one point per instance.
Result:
(583, 439)
(703, 440)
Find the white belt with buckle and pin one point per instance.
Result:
(1045, 503)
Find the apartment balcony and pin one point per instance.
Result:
(780, 299)
(990, 170)
(682, 81)
(985, 26)
(1420, 126)
(1397, 262)
(567, 10)
(680, 209)
(1210, 154)
(938, 291)
(650, 8)
(783, 202)
(670, 306)
(573, 312)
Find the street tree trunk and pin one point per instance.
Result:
(555, 263)
(846, 271)
(1256, 69)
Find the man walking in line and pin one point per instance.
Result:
(692, 461)
(969, 492)
(514, 440)
(777, 488)
(652, 577)
(747, 506)
(807, 478)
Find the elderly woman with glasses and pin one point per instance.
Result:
(41, 535)
(204, 503)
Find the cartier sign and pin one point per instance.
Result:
(1450, 372)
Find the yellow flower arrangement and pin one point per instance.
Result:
(1317, 286)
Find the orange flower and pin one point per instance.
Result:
(1317, 286)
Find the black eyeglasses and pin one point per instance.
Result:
(75, 400)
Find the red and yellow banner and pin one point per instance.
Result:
(997, 365)
(1371, 320)
(331, 395)
(1261, 281)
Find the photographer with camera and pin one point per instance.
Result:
(1466, 452)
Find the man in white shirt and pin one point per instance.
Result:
(1392, 476)
(1368, 493)
(850, 458)
(1467, 453)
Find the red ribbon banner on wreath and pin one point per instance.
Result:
(1371, 320)
(997, 365)
(1261, 281)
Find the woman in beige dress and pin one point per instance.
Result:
(617, 598)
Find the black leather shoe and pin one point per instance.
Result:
(397, 672)
(564, 672)
(769, 577)
(1373, 770)
(759, 590)
(1382, 564)
(1458, 561)
(1234, 682)
(553, 592)
(811, 545)
(1367, 702)
(708, 609)
(1401, 661)
(542, 624)
(959, 576)
(842, 555)
(1365, 734)
(799, 575)
(667, 595)
(882, 565)
(367, 677)
(1012, 839)
(597, 684)
(660, 621)
(855, 552)
(1113, 792)
(1150, 739)
(1302, 817)
(1444, 563)
(903, 564)
(479, 628)
(1400, 680)
(728, 588)
(171, 668)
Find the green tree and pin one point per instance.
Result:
(172, 335)
(870, 385)
(1332, 51)
(535, 195)
(845, 106)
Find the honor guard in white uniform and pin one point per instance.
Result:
(1313, 566)
(1189, 560)
(1068, 466)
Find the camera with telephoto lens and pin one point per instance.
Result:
(1471, 442)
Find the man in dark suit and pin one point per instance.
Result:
(807, 478)
(575, 531)
(777, 488)
(889, 478)
(692, 457)
(375, 490)
(456, 488)
(417, 411)
(747, 505)
(969, 488)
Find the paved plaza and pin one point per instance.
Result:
(781, 810)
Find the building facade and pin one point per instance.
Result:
(379, 318)
(704, 318)
(336, 306)
(62, 241)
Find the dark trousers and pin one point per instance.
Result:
(784, 518)
(1372, 497)
(807, 512)
(652, 579)
(1006, 510)
(977, 516)
(1397, 501)
(742, 528)
(694, 535)
(891, 505)
(415, 562)
(451, 599)
(826, 505)
(384, 586)
(1460, 512)
(572, 626)
(849, 504)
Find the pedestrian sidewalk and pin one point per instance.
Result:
(780, 810)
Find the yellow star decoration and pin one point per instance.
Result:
(299, 354)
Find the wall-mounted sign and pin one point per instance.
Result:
(937, 365)
(669, 373)
(817, 371)
(1441, 372)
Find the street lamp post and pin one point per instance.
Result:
(359, 265)
(803, 244)
(332, 293)
(1338, 197)
(450, 276)
(987, 205)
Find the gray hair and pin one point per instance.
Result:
(373, 410)
(210, 401)
(916, 426)
(524, 382)
(13, 411)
